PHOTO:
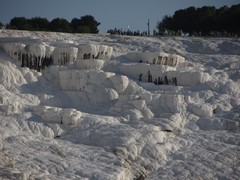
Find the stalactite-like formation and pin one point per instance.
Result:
(39, 56)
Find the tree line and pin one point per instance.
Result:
(203, 21)
(85, 24)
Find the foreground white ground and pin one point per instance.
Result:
(94, 119)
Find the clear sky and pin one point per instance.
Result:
(110, 13)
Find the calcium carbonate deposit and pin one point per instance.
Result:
(82, 106)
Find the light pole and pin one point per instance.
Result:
(148, 27)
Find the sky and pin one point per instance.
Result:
(121, 14)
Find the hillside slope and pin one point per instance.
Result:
(118, 107)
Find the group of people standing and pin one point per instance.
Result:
(128, 32)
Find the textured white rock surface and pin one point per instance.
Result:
(93, 119)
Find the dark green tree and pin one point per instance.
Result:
(86, 24)
(221, 18)
(92, 24)
(60, 25)
(166, 23)
(39, 24)
(233, 17)
(206, 19)
(76, 25)
(203, 20)
(20, 23)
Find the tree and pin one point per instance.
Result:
(233, 17)
(86, 24)
(39, 24)
(20, 23)
(203, 20)
(166, 23)
(89, 21)
(206, 19)
(60, 25)
(76, 25)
